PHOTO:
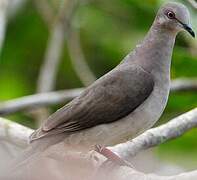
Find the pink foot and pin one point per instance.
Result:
(111, 156)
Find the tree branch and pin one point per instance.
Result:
(78, 60)
(193, 3)
(14, 133)
(92, 166)
(155, 136)
(38, 100)
(45, 10)
(49, 68)
(61, 27)
(48, 71)
(8, 9)
(184, 84)
(3, 19)
(58, 97)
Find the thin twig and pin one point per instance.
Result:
(48, 71)
(45, 10)
(193, 3)
(3, 20)
(38, 100)
(155, 136)
(7, 9)
(77, 58)
(184, 84)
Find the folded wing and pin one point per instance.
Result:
(110, 98)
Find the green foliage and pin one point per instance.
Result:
(181, 151)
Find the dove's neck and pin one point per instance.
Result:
(155, 52)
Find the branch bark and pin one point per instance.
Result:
(155, 136)
(38, 100)
(14, 133)
(55, 159)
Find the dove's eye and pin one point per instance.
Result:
(170, 15)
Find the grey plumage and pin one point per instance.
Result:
(131, 97)
(108, 99)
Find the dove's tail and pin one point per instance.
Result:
(36, 148)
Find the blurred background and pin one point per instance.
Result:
(50, 45)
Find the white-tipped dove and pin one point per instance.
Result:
(129, 99)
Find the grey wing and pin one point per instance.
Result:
(110, 98)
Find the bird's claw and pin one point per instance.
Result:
(111, 156)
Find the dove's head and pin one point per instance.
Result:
(174, 17)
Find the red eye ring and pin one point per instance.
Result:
(171, 15)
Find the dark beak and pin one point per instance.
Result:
(189, 30)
